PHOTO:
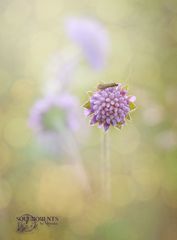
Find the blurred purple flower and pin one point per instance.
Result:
(109, 105)
(54, 113)
(92, 38)
(55, 119)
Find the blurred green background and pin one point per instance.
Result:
(143, 154)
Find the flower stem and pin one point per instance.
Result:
(106, 167)
(70, 147)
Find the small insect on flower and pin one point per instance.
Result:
(109, 105)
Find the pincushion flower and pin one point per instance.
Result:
(91, 36)
(55, 120)
(109, 106)
(54, 113)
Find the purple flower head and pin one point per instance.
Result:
(92, 38)
(53, 114)
(109, 105)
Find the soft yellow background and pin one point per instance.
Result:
(143, 155)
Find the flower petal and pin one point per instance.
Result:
(132, 99)
(106, 126)
(87, 112)
(93, 120)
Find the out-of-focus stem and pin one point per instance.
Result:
(105, 167)
(70, 146)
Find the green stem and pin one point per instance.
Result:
(106, 167)
(70, 147)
